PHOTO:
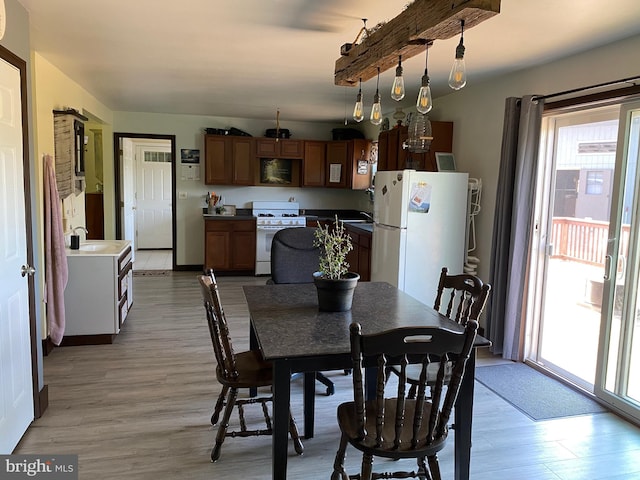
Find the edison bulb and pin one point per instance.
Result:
(397, 89)
(424, 104)
(376, 111)
(458, 75)
(358, 109)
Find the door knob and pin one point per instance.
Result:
(27, 270)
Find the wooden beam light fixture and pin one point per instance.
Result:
(405, 35)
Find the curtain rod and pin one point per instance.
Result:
(590, 87)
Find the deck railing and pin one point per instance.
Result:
(583, 241)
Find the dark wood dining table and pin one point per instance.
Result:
(289, 330)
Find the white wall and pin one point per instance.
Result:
(189, 132)
(477, 112)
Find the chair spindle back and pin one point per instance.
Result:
(404, 346)
(463, 295)
(218, 327)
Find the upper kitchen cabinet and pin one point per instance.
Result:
(228, 160)
(347, 164)
(279, 148)
(313, 163)
(392, 155)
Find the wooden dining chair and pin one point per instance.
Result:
(235, 371)
(460, 298)
(392, 425)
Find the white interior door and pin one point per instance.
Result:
(153, 195)
(16, 394)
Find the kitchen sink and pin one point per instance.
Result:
(99, 247)
(94, 247)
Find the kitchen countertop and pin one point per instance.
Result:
(102, 248)
(367, 227)
(214, 216)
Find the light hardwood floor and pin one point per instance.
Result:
(140, 408)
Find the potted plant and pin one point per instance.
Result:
(334, 282)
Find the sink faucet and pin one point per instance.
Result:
(80, 228)
(367, 216)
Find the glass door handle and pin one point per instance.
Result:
(607, 267)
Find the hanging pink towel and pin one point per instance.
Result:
(56, 270)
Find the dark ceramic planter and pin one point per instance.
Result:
(335, 295)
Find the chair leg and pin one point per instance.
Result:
(423, 471)
(222, 429)
(434, 467)
(295, 435)
(219, 405)
(331, 389)
(338, 463)
(367, 467)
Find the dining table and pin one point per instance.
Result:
(290, 331)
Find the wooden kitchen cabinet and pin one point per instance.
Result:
(280, 148)
(228, 160)
(313, 164)
(230, 244)
(347, 164)
(359, 258)
(392, 156)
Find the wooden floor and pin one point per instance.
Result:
(140, 408)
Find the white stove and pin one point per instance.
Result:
(271, 217)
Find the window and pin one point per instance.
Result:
(595, 183)
(150, 156)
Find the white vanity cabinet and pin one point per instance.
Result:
(99, 293)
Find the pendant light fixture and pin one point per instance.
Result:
(424, 104)
(376, 108)
(458, 75)
(358, 109)
(397, 89)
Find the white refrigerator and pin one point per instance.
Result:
(419, 227)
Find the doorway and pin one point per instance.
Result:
(145, 197)
(580, 158)
(583, 253)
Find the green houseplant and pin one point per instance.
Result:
(334, 283)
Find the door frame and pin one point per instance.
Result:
(140, 147)
(117, 137)
(624, 406)
(40, 396)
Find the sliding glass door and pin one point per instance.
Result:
(618, 367)
(574, 201)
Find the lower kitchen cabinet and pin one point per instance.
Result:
(98, 296)
(230, 244)
(359, 258)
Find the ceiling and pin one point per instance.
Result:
(247, 58)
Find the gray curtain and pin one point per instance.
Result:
(512, 227)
